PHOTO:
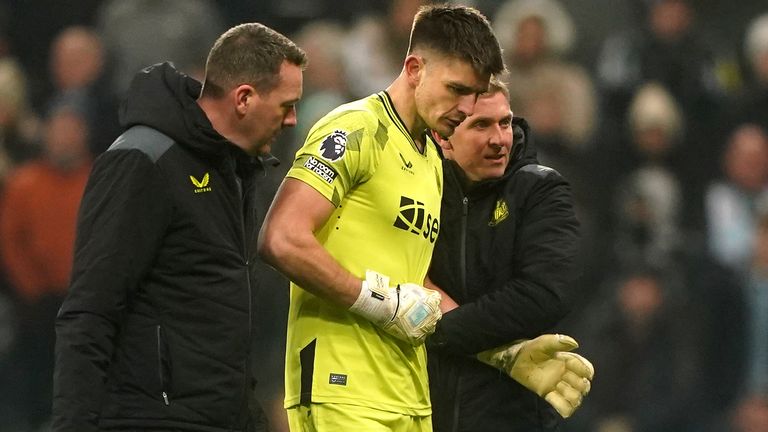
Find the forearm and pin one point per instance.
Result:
(287, 242)
(83, 350)
(447, 303)
(304, 261)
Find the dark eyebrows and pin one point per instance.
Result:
(464, 89)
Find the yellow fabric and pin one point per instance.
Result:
(387, 197)
(339, 417)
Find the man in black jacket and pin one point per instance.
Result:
(506, 253)
(155, 333)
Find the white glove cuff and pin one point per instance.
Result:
(373, 301)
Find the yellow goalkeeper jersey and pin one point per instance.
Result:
(387, 197)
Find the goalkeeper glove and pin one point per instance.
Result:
(544, 366)
(408, 311)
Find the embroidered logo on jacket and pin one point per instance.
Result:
(499, 213)
(201, 185)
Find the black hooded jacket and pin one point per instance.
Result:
(156, 329)
(507, 254)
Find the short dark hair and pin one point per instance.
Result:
(458, 31)
(249, 53)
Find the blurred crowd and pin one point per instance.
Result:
(656, 111)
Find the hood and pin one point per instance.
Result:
(165, 99)
(523, 153)
(523, 148)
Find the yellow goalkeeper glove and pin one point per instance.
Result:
(545, 366)
(407, 311)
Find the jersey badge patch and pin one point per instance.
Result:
(337, 379)
(334, 146)
(322, 170)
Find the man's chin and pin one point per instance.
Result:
(265, 149)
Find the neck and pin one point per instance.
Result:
(214, 110)
(403, 99)
(466, 183)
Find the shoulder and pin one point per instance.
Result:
(539, 173)
(146, 140)
(538, 183)
(362, 113)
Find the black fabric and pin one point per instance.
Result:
(307, 357)
(513, 277)
(160, 303)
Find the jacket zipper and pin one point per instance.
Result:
(463, 272)
(246, 260)
(456, 404)
(164, 394)
(463, 245)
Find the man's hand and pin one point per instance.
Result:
(408, 311)
(545, 366)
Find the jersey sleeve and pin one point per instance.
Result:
(339, 153)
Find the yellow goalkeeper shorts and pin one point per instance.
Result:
(326, 417)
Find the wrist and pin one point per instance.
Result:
(373, 301)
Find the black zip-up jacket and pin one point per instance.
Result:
(507, 254)
(155, 331)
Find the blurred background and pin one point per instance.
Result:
(656, 111)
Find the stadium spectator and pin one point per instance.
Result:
(648, 196)
(642, 341)
(19, 126)
(37, 230)
(78, 74)
(732, 201)
(140, 33)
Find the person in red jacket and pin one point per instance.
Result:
(38, 209)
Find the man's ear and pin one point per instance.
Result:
(413, 65)
(444, 143)
(243, 96)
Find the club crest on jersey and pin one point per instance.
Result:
(334, 146)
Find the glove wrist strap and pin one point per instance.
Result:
(372, 302)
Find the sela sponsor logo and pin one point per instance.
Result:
(322, 170)
(201, 185)
(499, 213)
(337, 379)
(334, 146)
(413, 217)
(407, 165)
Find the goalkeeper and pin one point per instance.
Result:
(354, 224)
(506, 253)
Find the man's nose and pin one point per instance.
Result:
(467, 104)
(291, 118)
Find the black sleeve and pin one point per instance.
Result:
(539, 293)
(123, 216)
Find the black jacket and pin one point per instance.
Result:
(507, 254)
(155, 331)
